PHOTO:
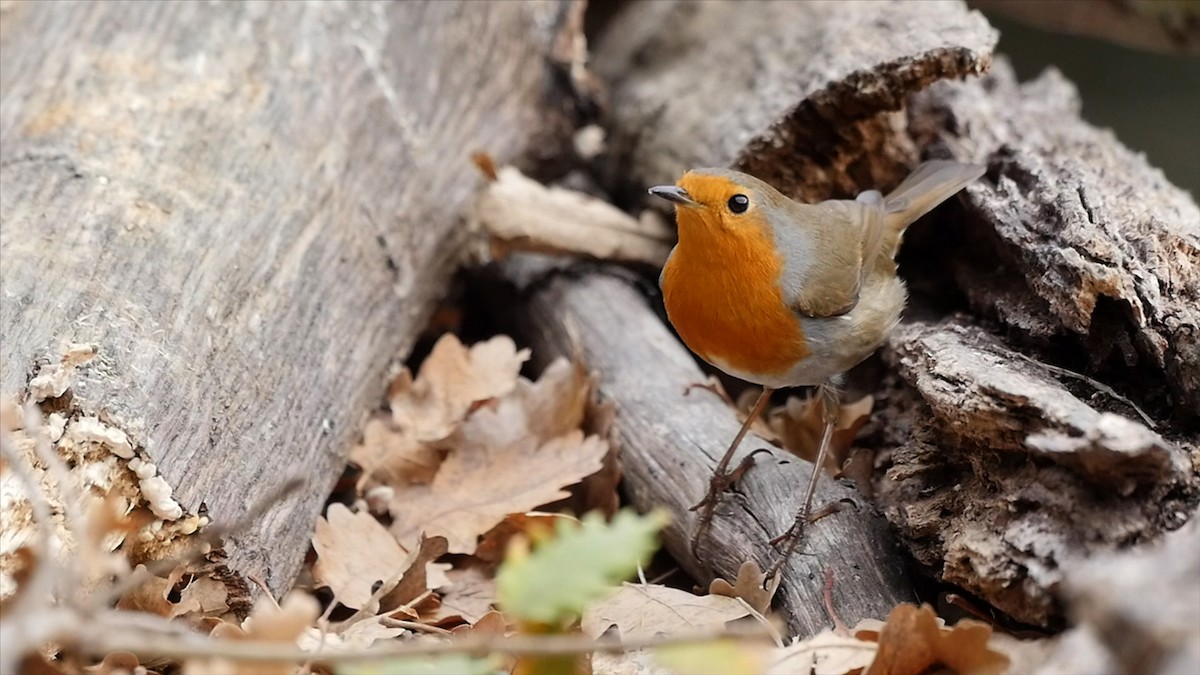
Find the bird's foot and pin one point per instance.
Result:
(720, 483)
(791, 538)
(724, 481)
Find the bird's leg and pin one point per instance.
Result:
(828, 397)
(722, 478)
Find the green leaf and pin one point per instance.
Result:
(718, 657)
(580, 564)
(450, 664)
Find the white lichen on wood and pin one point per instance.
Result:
(105, 463)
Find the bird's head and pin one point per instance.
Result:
(714, 201)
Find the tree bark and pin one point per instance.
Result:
(1005, 468)
(247, 209)
(795, 93)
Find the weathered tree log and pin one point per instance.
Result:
(1072, 238)
(1134, 611)
(670, 442)
(247, 209)
(1007, 473)
(791, 92)
(1002, 480)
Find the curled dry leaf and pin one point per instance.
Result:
(521, 214)
(798, 425)
(494, 543)
(751, 585)
(268, 622)
(208, 594)
(354, 552)
(913, 642)
(826, 653)
(450, 381)
(469, 596)
(390, 456)
(641, 611)
(492, 624)
(416, 579)
(152, 595)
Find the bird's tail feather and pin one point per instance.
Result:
(927, 186)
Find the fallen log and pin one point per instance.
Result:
(799, 94)
(220, 222)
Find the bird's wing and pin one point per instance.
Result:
(824, 253)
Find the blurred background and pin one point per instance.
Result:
(1149, 99)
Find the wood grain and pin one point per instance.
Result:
(249, 208)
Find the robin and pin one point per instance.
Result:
(783, 294)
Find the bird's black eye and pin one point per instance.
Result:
(739, 203)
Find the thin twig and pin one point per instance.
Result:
(838, 627)
(147, 646)
(1095, 384)
(415, 626)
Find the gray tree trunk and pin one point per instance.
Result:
(248, 209)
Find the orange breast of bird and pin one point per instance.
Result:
(722, 294)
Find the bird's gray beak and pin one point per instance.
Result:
(673, 194)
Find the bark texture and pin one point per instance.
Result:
(247, 209)
(758, 85)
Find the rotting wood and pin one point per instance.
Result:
(795, 93)
(246, 210)
(1134, 611)
(671, 442)
(1001, 480)
(1071, 239)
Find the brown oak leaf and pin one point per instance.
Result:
(751, 585)
(470, 596)
(354, 552)
(450, 381)
(477, 486)
(913, 642)
(798, 425)
(390, 456)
